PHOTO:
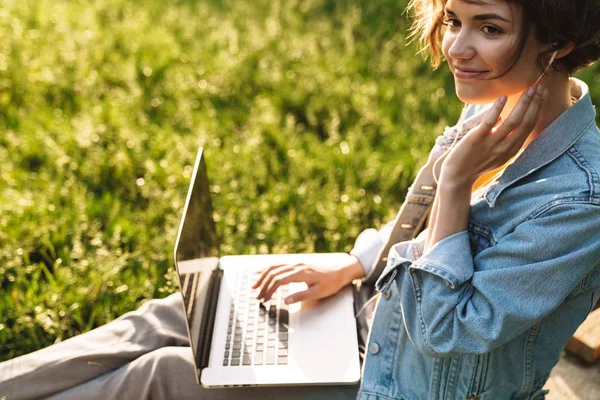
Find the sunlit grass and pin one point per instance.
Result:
(315, 117)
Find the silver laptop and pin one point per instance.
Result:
(239, 341)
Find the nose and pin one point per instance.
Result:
(461, 46)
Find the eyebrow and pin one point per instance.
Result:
(482, 17)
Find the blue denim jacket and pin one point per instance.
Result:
(485, 313)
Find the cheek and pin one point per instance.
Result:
(497, 56)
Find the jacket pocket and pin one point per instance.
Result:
(539, 394)
(478, 376)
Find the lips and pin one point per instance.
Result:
(467, 73)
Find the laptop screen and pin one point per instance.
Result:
(197, 252)
(197, 236)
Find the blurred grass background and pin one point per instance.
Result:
(315, 117)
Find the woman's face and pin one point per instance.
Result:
(479, 42)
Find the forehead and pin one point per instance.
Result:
(477, 2)
(485, 4)
(507, 9)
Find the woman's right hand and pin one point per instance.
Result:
(321, 281)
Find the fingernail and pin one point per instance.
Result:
(503, 99)
(530, 91)
(540, 89)
(287, 300)
(545, 95)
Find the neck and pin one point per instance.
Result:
(559, 100)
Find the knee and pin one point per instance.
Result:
(166, 365)
(171, 303)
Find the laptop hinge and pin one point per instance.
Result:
(208, 319)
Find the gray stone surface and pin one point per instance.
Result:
(573, 379)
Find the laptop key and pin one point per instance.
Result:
(282, 345)
(283, 336)
(281, 360)
(235, 361)
(282, 352)
(284, 317)
(225, 362)
(235, 354)
(270, 356)
(259, 347)
(237, 346)
(246, 360)
(258, 358)
(271, 343)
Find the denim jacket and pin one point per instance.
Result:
(485, 313)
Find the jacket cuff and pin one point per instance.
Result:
(449, 259)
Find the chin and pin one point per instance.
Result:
(471, 96)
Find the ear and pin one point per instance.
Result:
(565, 50)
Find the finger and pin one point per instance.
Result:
(520, 135)
(492, 116)
(265, 284)
(311, 293)
(263, 274)
(296, 275)
(516, 115)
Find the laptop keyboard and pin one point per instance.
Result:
(256, 335)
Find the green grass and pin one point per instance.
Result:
(315, 117)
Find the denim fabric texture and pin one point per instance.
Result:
(485, 313)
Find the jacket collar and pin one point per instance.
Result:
(556, 139)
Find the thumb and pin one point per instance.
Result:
(308, 294)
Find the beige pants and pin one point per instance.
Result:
(144, 354)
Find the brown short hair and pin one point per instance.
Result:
(554, 21)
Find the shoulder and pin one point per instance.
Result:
(576, 173)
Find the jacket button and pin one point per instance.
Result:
(373, 348)
(386, 294)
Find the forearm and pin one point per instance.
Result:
(450, 210)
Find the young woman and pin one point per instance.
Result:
(481, 303)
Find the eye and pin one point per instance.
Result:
(491, 30)
(451, 22)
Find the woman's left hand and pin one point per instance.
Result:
(492, 143)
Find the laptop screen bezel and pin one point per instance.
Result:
(205, 257)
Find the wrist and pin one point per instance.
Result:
(350, 270)
(450, 181)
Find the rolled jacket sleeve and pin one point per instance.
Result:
(450, 259)
(455, 304)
